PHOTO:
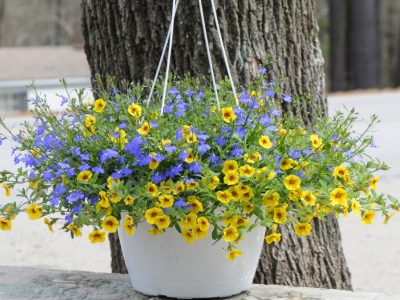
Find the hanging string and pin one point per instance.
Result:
(209, 55)
(171, 37)
(174, 8)
(223, 52)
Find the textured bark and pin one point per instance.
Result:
(391, 42)
(125, 38)
(364, 44)
(337, 36)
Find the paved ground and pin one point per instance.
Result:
(372, 251)
(24, 284)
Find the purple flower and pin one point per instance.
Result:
(195, 167)
(55, 200)
(169, 108)
(262, 70)
(98, 170)
(220, 140)
(174, 91)
(157, 177)
(265, 120)
(170, 148)
(107, 154)
(84, 167)
(287, 98)
(77, 208)
(308, 152)
(48, 175)
(275, 112)
(241, 132)
(133, 147)
(180, 203)
(236, 151)
(270, 93)
(183, 155)
(203, 148)
(60, 189)
(75, 196)
(295, 154)
(178, 134)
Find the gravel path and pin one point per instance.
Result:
(372, 251)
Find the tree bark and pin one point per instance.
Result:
(364, 44)
(337, 36)
(124, 39)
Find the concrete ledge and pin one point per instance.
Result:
(27, 283)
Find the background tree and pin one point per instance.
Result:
(124, 39)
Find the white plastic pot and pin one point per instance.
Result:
(165, 265)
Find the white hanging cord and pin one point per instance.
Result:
(224, 53)
(209, 55)
(171, 37)
(162, 54)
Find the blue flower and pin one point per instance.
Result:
(107, 154)
(236, 151)
(220, 140)
(287, 98)
(174, 91)
(265, 120)
(64, 100)
(170, 148)
(180, 203)
(169, 108)
(195, 167)
(84, 167)
(60, 189)
(178, 134)
(262, 70)
(295, 154)
(48, 175)
(275, 112)
(157, 177)
(241, 132)
(203, 148)
(77, 209)
(183, 155)
(133, 147)
(308, 152)
(270, 93)
(55, 200)
(98, 169)
(75, 196)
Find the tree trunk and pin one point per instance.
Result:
(364, 44)
(124, 39)
(337, 37)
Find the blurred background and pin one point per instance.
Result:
(41, 40)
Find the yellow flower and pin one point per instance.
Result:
(75, 230)
(153, 164)
(231, 220)
(189, 221)
(190, 158)
(192, 185)
(271, 199)
(236, 192)
(292, 182)
(246, 192)
(338, 197)
(280, 215)
(271, 175)
(196, 205)
(144, 129)
(203, 223)
(302, 229)
(373, 182)
(188, 236)
(97, 236)
(162, 221)
(282, 132)
(110, 224)
(230, 165)
(33, 184)
(198, 233)
(191, 138)
(287, 164)
(231, 178)
(129, 225)
(228, 115)
(211, 183)
(233, 254)
(165, 201)
(295, 194)
(99, 105)
(5, 224)
(155, 231)
(152, 189)
(341, 172)
(7, 189)
(49, 224)
(119, 137)
(152, 213)
(115, 198)
(273, 238)
(104, 202)
(355, 207)
(265, 142)
(253, 157)
(260, 172)
(248, 208)
(308, 198)
(135, 110)
(84, 176)
(213, 109)
(368, 217)
(34, 211)
(246, 171)
(240, 222)
(129, 200)
(316, 141)
(224, 196)
(231, 234)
